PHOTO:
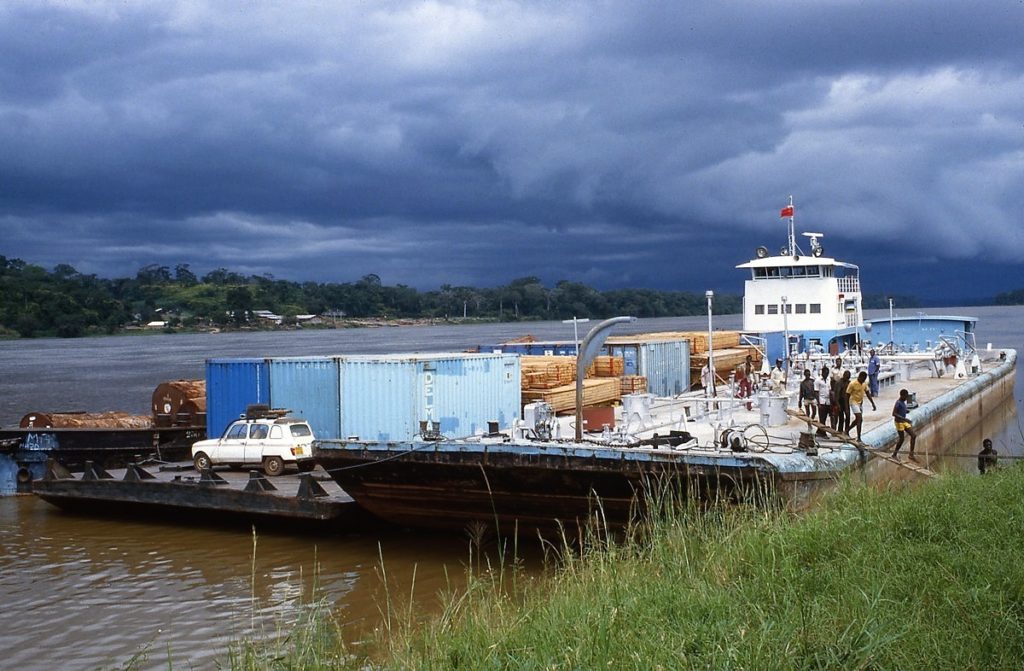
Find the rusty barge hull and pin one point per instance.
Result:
(452, 485)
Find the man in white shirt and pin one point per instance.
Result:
(778, 377)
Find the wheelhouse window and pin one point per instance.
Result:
(815, 308)
(773, 309)
(788, 308)
(758, 309)
(801, 308)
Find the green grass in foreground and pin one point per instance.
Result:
(926, 578)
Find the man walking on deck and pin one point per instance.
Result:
(903, 423)
(874, 365)
(857, 390)
(808, 394)
(823, 385)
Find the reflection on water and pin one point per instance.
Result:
(82, 592)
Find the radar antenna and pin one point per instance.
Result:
(816, 248)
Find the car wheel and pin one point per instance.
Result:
(273, 466)
(202, 461)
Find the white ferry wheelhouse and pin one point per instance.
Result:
(811, 299)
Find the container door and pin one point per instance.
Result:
(231, 386)
(309, 387)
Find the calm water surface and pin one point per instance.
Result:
(82, 593)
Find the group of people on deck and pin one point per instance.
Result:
(835, 395)
(836, 398)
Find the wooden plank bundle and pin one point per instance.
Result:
(698, 339)
(607, 366)
(726, 362)
(547, 372)
(633, 384)
(563, 399)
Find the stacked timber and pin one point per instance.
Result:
(596, 391)
(633, 384)
(547, 372)
(698, 339)
(85, 420)
(607, 366)
(727, 361)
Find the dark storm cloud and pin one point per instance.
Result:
(615, 144)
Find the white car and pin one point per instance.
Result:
(266, 439)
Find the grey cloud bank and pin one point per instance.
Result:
(617, 144)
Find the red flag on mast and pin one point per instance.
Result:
(786, 211)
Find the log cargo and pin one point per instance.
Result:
(85, 420)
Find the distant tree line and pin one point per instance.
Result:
(66, 303)
(1015, 297)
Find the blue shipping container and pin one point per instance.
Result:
(309, 388)
(385, 397)
(231, 386)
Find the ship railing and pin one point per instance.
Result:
(849, 284)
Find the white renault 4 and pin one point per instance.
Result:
(262, 437)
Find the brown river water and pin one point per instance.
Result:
(83, 592)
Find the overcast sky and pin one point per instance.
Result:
(619, 144)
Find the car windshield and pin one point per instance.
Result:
(300, 430)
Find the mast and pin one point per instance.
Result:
(792, 227)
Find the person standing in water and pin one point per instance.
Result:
(988, 458)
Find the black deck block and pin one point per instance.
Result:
(309, 488)
(259, 483)
(94, 472)
(57, 471)
(208, 478)
(136, 473)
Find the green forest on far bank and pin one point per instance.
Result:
(63, 302)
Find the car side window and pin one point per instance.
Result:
(275, 432)
(300, 430)
(258, 432)
(237, 432)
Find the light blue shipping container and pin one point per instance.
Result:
(308, 386)
(386, 397)
(666, 365)
(231, 386)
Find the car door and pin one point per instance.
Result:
(231, 449)
(256, 444)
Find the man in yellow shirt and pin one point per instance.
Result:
(857, 390)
